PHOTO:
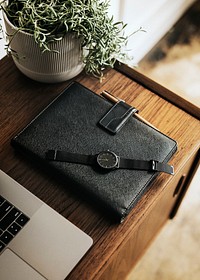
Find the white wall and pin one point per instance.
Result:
(156, 17)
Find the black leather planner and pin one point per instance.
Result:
(72, 124)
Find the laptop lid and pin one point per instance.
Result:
(48, 244)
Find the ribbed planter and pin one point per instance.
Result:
(48, 67)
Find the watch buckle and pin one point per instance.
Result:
(51, 154)
(154, 165)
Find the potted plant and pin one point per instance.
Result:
(53, 40)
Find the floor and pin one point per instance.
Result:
(174, 254)
(175, 63)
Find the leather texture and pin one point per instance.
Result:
(71, 122)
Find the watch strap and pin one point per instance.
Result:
(151, 165)
(56, 155)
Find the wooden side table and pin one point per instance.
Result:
(117, 247)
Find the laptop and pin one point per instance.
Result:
(35, 241)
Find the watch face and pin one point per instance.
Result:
(107, 160)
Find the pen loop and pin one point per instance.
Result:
(107, 95)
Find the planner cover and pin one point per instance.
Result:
(71, 123)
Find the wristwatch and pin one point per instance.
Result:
(109, 161)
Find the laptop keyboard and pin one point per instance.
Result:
(12, 221)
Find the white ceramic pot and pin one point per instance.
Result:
(48, 67)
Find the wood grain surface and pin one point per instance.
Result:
(181, 102)
(116, 246)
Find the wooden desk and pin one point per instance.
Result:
(116, 247)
